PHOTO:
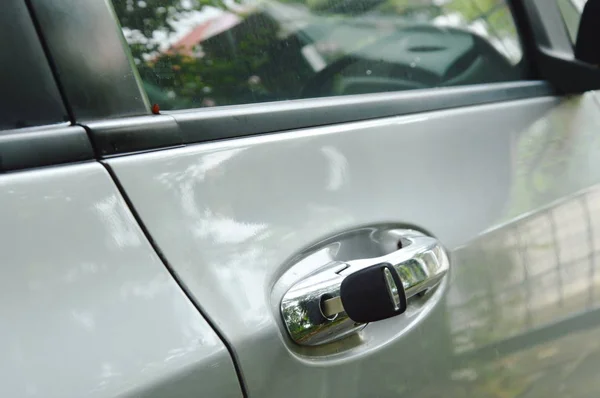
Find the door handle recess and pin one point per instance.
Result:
(340, 298)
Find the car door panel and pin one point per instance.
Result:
(230, 215)
(88, 308)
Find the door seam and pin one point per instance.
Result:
(174, 275)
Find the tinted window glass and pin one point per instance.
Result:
(191, 54)
(29, 93)
(571, 13)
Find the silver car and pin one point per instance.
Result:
(300, 198)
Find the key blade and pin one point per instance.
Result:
(332, 307)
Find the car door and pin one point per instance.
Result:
(287, 135)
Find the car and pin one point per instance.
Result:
(300, 198)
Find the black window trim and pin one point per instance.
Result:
(46, 145)
(176, 128)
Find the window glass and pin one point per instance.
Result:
(571, 12)
(198, 53)
(30, 96)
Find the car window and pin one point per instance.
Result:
(571, 13)
(200, 53)
(30, 96)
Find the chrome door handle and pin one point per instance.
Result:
(341, 297)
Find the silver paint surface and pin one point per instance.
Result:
(87, 308)
(484, 180)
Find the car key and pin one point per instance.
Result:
(369, 295)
